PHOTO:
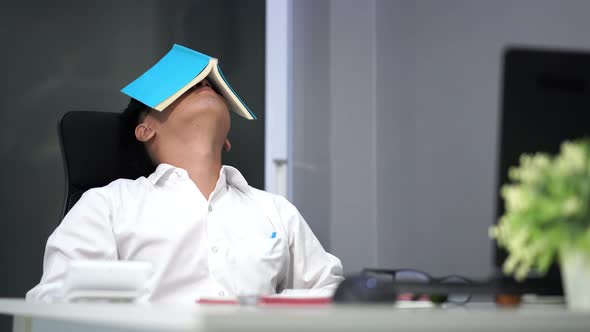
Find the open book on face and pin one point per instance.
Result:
(179, 70)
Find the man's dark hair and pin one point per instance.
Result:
(134, 150)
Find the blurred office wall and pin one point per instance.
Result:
(395, 109)
(76, 55)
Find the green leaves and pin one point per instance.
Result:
(547, 206)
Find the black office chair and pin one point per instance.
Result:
(96, 151)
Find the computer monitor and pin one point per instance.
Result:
(545, 100)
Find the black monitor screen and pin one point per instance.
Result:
(545, 100)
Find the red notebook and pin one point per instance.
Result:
(294, 301)
(269, 300)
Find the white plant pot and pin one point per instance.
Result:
(575, 274)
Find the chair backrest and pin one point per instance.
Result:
(96, 151)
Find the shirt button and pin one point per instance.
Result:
(214, 250)
(221, 293)
(210, 208)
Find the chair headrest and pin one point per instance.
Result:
(97, 150)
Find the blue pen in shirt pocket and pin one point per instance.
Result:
(270, 243)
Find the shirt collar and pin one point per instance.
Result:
(228, 176)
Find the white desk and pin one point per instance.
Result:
(153, 317)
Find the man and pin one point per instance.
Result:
(204, 229)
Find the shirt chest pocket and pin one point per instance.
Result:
(256, 266)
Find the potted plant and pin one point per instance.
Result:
(547, 217)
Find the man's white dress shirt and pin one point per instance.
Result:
(223, 246)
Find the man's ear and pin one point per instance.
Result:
(143, 132)
(226, 145)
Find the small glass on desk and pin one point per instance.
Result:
(422, 285)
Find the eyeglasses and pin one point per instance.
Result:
(416, 278)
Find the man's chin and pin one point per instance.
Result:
(212, 119)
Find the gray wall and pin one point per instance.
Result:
(311, 114)
(77, 55)
(353, 148)
(427, 137)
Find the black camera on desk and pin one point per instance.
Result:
(389, 286)
(381, 286)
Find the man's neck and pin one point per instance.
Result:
(203, 165)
